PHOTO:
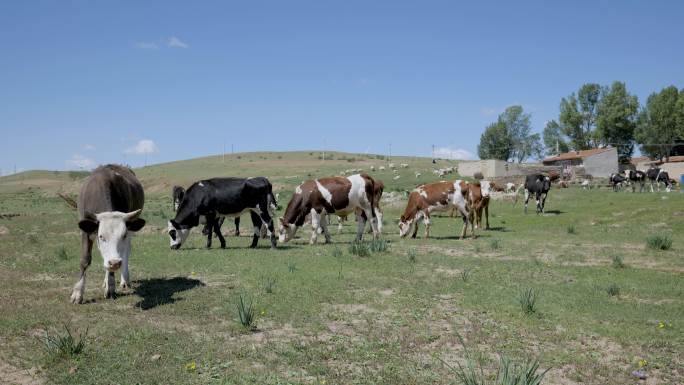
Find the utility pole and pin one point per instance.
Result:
(231, 149)
(389, 159)
(433, 151)
(223, 158)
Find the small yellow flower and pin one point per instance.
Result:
(661, 325)
(642, 363)
(263, 312)
(190, 366)
(193, 273)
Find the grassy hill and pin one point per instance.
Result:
(284, 169)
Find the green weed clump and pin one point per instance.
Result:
(618, 262)
(528, 301)
(613, 290)
(571, 229)
(495, 244)
(412, 253)
(659, 242)
(62, 253)
(246, 312)
(269, 285)
(65, 344)
(465, 274)
(359, 248)
(379, 245)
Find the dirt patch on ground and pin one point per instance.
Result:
(4, 230)
(12, 375)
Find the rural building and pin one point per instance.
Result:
(597, 162)
(493, 168)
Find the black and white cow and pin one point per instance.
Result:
(657, 176)
(224, 197)
(616, 181)
(539, 186)
(636, 176)
(177, 195)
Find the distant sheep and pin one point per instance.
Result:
(404, 165)
(382, 168)
(418, 175)
(397, 177)
(372, 168)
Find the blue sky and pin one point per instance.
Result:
(86, 82)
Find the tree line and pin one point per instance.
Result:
(596, 116)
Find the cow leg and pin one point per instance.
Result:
(86, 258)
(217, 231)
(339, 224)
(465, 215)
(527, 199)
(256, 222)
(378, 216)
(125, 281)
(237, 226)
(109, 285)
(315, 223)
(415, 224)
(324, 226)
(486, 210)
(426, 222)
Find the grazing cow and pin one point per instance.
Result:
(586, 184)
(636, 176)
(539, 186)
(109, 207)
(510, 187)
(322, 197)
(438, 196)
(178, 193)
(657, 176)
(616, 181)
(224, 197)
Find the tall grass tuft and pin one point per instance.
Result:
(412, 253)
(62, 253)
(465, 274)
(379, 245)
(337, 252)
(269, 285)
(291, 267)
(571, 229)
(659, 242)
(246, 313)
(359, 249)
(495, 244)
(65, 344)
(618, 262)
(528, 301)
(613, 290)
(508, 372)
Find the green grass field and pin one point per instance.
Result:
(606, 303)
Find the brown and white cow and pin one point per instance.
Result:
(378, 189)
(327, 196)
(109, 207)
(478, 199)
(438, 196)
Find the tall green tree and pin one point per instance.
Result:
(578, 115)
(523, 142)
(616, 118)
(554, 140)
(661, 122)
(495, 143)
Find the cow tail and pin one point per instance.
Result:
(69, 200)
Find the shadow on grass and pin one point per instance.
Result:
(554, 212)
(160, 291)
(498, 228)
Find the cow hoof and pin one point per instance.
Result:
(76, 298)
(110, 294)
(124, 286)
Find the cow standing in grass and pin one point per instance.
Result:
(539, 186)
(616, 181)
(109, 207)
(224, 197)
(657, 176)
(330, 196)
(480, 205)
(431, 197)
(636, 176)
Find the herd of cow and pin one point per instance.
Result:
(655, 176)
(112, 198)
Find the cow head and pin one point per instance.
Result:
(286, 231)
(404, 226)
(114, 230)
(177, 234)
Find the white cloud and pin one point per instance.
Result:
(487, 111)
(175, 42)
(81, 162)
(88, 147)
(146, 45)
(453, 153)
(145, 146)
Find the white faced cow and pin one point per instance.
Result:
(325, 196)
(109, 207)
(438, 196)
